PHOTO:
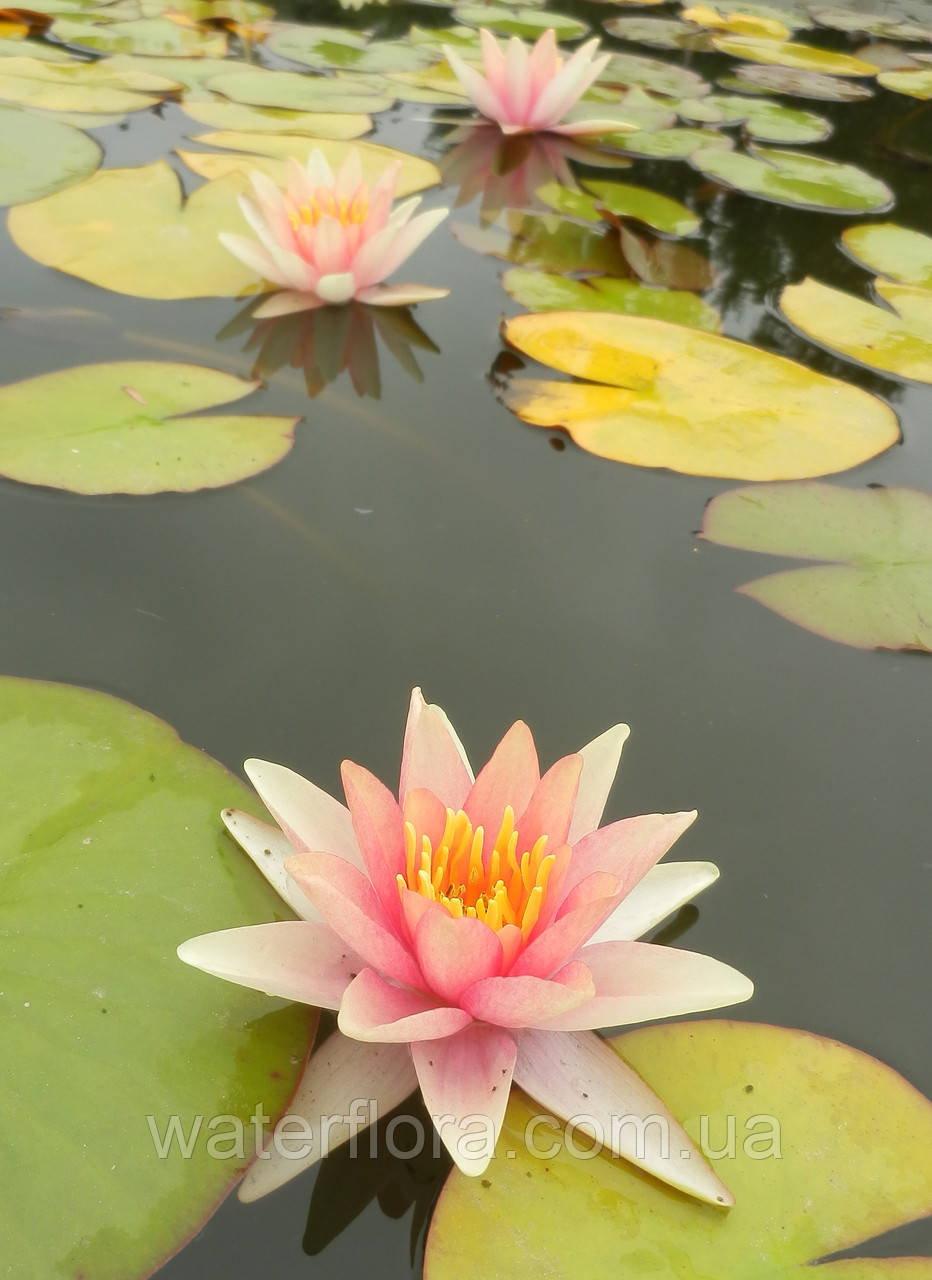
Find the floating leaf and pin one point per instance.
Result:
(784, 14)
(801, 57)
(751, 78)
(667, 263)
(79, 86)
(690, 401)
(32, 49)
(189, 73)
(876, 592)
(148, 36)
(39, 156)
(295, 91)
(235, 116)
(629, 69)
(323, 47)
(127, 230)
(643, 205)
(739, 23)
(915, 84)
(795, 178)
(893, 251)
(872, 24)
(660, 33)
(112, 838)
(853, 1140)
(525, 22)
(897, 341)
(541, 292)
(672, 144)
(763, 119)
(118, 428)
(415, 174)
(548, 242)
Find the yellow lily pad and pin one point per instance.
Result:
(127, 230)
(893, 251)
(897, 341)
(241, 118)
(786, 53)
(737, 23)
(416, 174)
(158, 37)
(915, 83)
(79, 86)
(662, 395)
(299, 91)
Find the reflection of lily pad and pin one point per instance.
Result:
(548, 242)
(802, 57)
(39, 156)
(897, 341)
(126, 230)
(795, 178)
(525, 22)
(749, 78)
(295, 91)
(237, 117)
(662, 395)
(125, 428)
(112, 839)
(823, 1147)
(538, 291)
(893, 251)
(876, 592)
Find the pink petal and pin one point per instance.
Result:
(551, 805)
(626, 849)
(544, 61)
(399, 295)
(638, 982)
(348, 902)
(426, 813)
(403, 243)
(476, 86)
(564, 936)
(600, 764)
(433, 756)
(516, 91)
(285, 303)
(509, 778)
(309, 817)
(372, 1009)
(664, 889)
(270, 850)
(575, 1074)
(495, 64)
(379, 826)
(294, 959)
(454, 954)
(466, 1076)
(567, 86)
(338, 1073)
(526, 1001)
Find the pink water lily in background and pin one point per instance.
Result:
(472, 933)
(531, 90)
(327, 240)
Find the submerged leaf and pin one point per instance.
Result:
(892, 251)
(541, 292)
(39, 156)
(795, 178)
(877, 590)
(666, 396)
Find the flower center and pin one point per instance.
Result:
(498, 888)
(324, 204)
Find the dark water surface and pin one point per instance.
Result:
(430, 538)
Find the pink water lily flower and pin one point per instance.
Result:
(329, 239)
(531, 90)
(472, 933)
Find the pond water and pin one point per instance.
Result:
(427, 536)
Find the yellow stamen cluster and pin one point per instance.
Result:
(499, 888)
(324, 204)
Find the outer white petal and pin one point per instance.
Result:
(409, 238)
(286, 303)
(664, 889)
(600, 764)
(433, 755)
(318, 170)
(402, 212)
(253, 255)
(338, 1073)
(567, 86)
(576, 1075)
(399, 295)
(290, 266)
(270, 850)
(336, 288)
(309, 817)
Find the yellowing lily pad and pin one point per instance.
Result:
(821, 1145)
(750, 78)
(158, 37)
(897, 341)
(737, 22)
(296, 91)
(122, 428)
(915, 83)
(127, 230)
(795, 178)
(79, 86)
(415, 175)
(39, 156)
(893, 251)
(13, 48)
(235, 116)
(803, 57)
(662, 395)
(876, 592)
(113, 840)
(539, 291)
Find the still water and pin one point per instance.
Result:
(428, 537)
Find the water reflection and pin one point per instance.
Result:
(324, 343)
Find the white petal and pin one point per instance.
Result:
(336, 288)
(665, 888)
(310, 818)
(433, 756)
(576, 1075)
(600, 764)
(285, 303)
(399, 295)
(253, 256)
(269, 850)
(338, 1073)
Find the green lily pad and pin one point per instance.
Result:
(297, 91)
(636, 107)
(915, 83)
(112, 839)
(39, 156)
(667, 216)
(189, 73)
(756, 79)
(853, 1140)
(875, 592)
(236, 117)
(525, 22)
(871, 24)
(789, 15)
(764, 120)
(795, 178)
(672, 144)
(538, 291)
(896, 341)
(659, 33)
(546, 241)
(125, 428)
(893, 251)
(631, 70)
(801, 57)
(90, 87)
(127, 230)
(157, 37)
(323, 47)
